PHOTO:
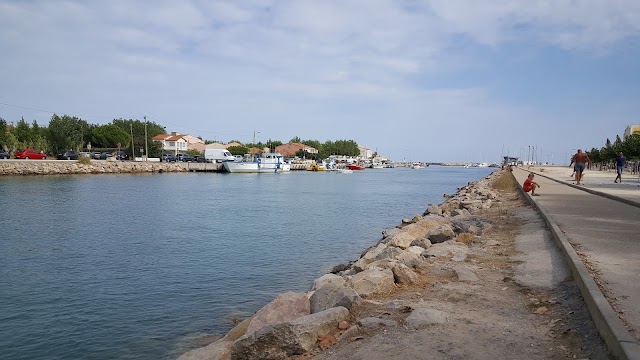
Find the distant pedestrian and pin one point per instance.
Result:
(530, 185)
(580, 159)
(620, 162)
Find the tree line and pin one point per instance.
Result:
(326, 149)
(630, 147)
(73, 133)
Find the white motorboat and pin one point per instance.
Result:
(345, 171)
(265, 163)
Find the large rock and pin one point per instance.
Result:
(402, 274)
(440, 234)
(288, 339)
(219, 350)
(412, 232)
(410, 258)
(327, 279)
(372, 281)
(369, 256)
(286, 307)
(447, 248)
(332, 295)
(470, 224)
(423, 317)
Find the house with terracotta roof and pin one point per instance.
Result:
(171, 142)
(290, 149)
(176, 142)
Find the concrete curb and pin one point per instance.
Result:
(620, 343)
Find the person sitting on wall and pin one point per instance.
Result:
(530, 185)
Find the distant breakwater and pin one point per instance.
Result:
(50, 167)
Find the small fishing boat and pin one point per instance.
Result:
(265, 163)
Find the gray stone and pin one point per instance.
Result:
(372, 281)
(290, 338)
(327, 279)
(403, 275)
(440, 234)
(219, 350)
(423, 243)
(466, 275)
(410, 259)
(286, 307)
(332, 295)
(424, 317)
(447, 248)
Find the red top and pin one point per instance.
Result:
(527, 186)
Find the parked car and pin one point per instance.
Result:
(185, 157)
(120, 155)
(199, 158)
(3, 155)
(105, 155)
(168, 158)
(68, 155)
(30, 154)
(95, 155)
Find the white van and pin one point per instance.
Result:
(217, 155)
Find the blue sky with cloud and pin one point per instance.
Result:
(440, 80)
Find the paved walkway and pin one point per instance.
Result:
(602, 221)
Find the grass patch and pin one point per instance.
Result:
(505, 182)
(84, 160)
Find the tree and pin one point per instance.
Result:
(7, 139)
(109, 136)
(238, 150)
(22, 133)
(65, 132)
(295, 140)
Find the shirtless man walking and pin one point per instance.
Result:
(580, 159)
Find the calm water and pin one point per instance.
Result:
(138, 266)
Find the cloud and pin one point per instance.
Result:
(428, 65)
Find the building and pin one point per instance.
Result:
(631, 129)
(171, 142)
(365, 153)
(176, 142)
(290, 149)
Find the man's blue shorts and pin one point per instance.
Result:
(619, 169)
(578, 167)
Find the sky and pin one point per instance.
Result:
(431, 80)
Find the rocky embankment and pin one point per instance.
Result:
(37, 167)
(299, 323)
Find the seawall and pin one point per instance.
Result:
(53, 167)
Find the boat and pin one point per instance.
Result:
(265, 163)
(345, 171)
(317, 166)
(416, 165)
(355, 167)
(377, 164)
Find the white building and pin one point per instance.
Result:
(630, 130)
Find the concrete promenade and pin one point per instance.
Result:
(601, 221)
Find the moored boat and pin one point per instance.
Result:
(265, 163)
(355, 167)
(317, 166)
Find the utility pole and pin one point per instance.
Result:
(146, 146)
(133, 150)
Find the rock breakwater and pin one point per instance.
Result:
(36, 167)
(299, 323)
